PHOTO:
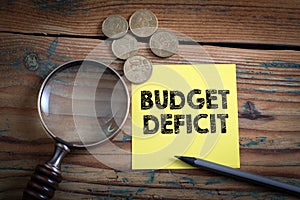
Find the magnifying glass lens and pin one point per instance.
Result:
(83, 103)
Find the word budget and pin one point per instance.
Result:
(195, 100)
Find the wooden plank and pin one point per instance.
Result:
(143, 185)
(255, 22)
(268, 98)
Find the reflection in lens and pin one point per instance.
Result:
(83, 103)
(45, 100)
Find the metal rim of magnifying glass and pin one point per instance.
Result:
(68, 65)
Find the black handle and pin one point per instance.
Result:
(46, 178)
(43, 183)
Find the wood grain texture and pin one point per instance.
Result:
(37, 36)
(266, 21)
(268, 97)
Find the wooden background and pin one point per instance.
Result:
(261, 36)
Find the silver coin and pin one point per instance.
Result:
(143, 23)
(137, 69)
(163, 43)
(125, 47)
(114, 26)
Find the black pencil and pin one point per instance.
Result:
(241, 175)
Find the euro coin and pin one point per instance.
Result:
(114, 26)
(125, 47)
(163, 43)
(143, 23)
(137, 69)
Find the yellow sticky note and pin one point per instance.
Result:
(185, 110)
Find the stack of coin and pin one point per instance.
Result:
(142, 23)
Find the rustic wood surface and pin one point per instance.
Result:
(261, 37)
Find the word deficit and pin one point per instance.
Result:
(175, 100)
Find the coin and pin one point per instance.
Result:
(163, 43)
(143, 23)
(137, 69)
(114, 26)
(125, 47)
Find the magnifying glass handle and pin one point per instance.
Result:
(46, 177)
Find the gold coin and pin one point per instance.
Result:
(114, 26)
(125, 47)
(143, 23)
(137, 69)
(163, 43)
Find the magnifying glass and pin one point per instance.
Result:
(81, 103)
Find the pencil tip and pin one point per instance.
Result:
(189, 160)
